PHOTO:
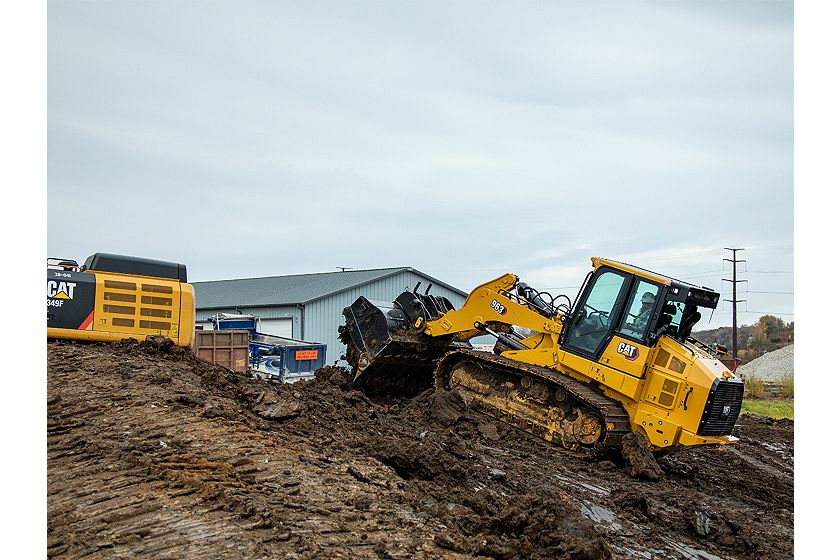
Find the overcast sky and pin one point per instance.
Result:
(465, 139)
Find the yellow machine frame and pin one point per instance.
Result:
(128, 305)
(655, 388)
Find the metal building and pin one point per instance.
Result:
(308, 306)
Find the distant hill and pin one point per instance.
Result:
(767, 334)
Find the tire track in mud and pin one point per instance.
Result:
(135, 476)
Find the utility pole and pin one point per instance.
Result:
(734, 300)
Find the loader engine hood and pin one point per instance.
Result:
(711, 399)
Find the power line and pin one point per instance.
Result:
(701, 274)
(680, 256)
(768, 312)
(767, 271)
(692, 276)
(757, 292)
(771, 248)
(687, 275)
(785, 248)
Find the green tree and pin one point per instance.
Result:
(771, 324)
(759, 343)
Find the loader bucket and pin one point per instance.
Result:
(388, 355)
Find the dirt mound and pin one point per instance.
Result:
(154, 453)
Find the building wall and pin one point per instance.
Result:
(322, 317)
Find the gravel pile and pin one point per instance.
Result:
(772, 366)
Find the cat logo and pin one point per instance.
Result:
(60, 290)
(628, 351)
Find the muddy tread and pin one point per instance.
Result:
(611, 412)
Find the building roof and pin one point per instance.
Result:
(291, 290)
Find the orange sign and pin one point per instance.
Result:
(306, 355)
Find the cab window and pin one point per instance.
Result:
(595, 315)
(640, 311)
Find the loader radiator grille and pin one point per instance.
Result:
(722, 409)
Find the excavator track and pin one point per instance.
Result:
(538, 400)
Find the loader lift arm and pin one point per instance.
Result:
(495, 306)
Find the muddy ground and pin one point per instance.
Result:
(153, 453)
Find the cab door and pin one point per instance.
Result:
(597, 313)
(629, 349)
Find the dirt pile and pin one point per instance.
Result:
(153, 453)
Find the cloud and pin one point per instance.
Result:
(463, 142)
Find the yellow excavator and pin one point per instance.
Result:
(111, 297)
(580, 373)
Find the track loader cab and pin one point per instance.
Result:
(630, 329)
(637, 306)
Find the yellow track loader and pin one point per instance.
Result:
(579, 374)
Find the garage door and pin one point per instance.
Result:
(277, 327)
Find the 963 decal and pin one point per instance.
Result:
(628, 351)
(498, 307)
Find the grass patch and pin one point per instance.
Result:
(774, 408)
(786, 387)
(755, 388)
